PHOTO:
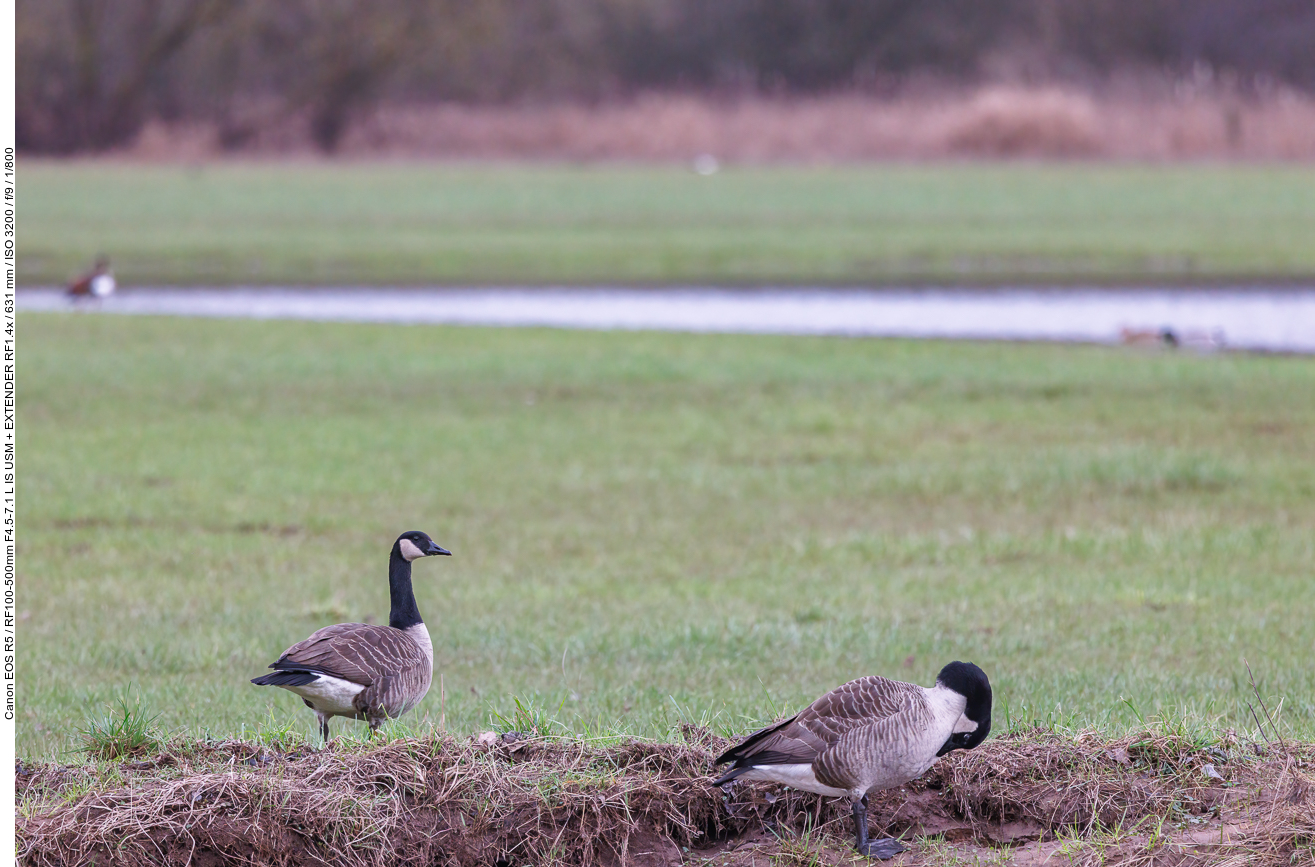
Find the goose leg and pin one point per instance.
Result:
(885, 848)
(860, 807)
(324, 729)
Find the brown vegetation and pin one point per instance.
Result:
(992, 122)
(1146, 798)
(91, 73)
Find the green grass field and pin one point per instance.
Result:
(654, 527)
(381, 224)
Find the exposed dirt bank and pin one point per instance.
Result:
(1023, 798)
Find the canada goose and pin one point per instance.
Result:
(96, 283)
(870, 734)
(362, 671)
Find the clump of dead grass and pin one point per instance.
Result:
(1284, 831)
(516, 800)
(411, 801)
(1258, 796)
(1031, 122)
(1083, 784)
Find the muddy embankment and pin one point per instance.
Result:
(1022, 798)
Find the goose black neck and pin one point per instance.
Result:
(404, 612)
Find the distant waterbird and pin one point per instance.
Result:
(362, 671)
(868, 735)
(1196, 339)
(96, 283)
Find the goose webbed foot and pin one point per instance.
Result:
(885, 848)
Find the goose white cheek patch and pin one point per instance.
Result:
(964, 725)
(409, 550)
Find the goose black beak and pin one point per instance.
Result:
(434, 549)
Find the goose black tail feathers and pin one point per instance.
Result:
(286, 678)
(731, 775)
(750, 752)
(745, 763)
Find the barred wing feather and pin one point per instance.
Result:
(806, 736)
(356, 652)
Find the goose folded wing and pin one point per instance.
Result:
(356, 652)
(804, 737)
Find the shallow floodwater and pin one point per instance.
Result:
(1256, 319)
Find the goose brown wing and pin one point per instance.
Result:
(356, 652)
(804, 737)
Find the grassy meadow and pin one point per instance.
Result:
(648, 527)
(408, 223)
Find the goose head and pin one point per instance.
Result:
(974, 724)
(413, 544)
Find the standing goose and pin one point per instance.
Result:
(362, 671)
(870, 734)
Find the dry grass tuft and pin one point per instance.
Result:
(1143, 795)
(1020, 122)
(1043, 778)
(407, 801)
(437, 800)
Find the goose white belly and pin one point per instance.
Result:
(797, 776)
(102, 285)
(329, 695)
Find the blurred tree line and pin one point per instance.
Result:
(92, 72)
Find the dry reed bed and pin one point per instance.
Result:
(439, 800)
(1165, 123)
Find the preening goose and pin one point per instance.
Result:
(362, 671)
(96, 283)
(870, 734)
